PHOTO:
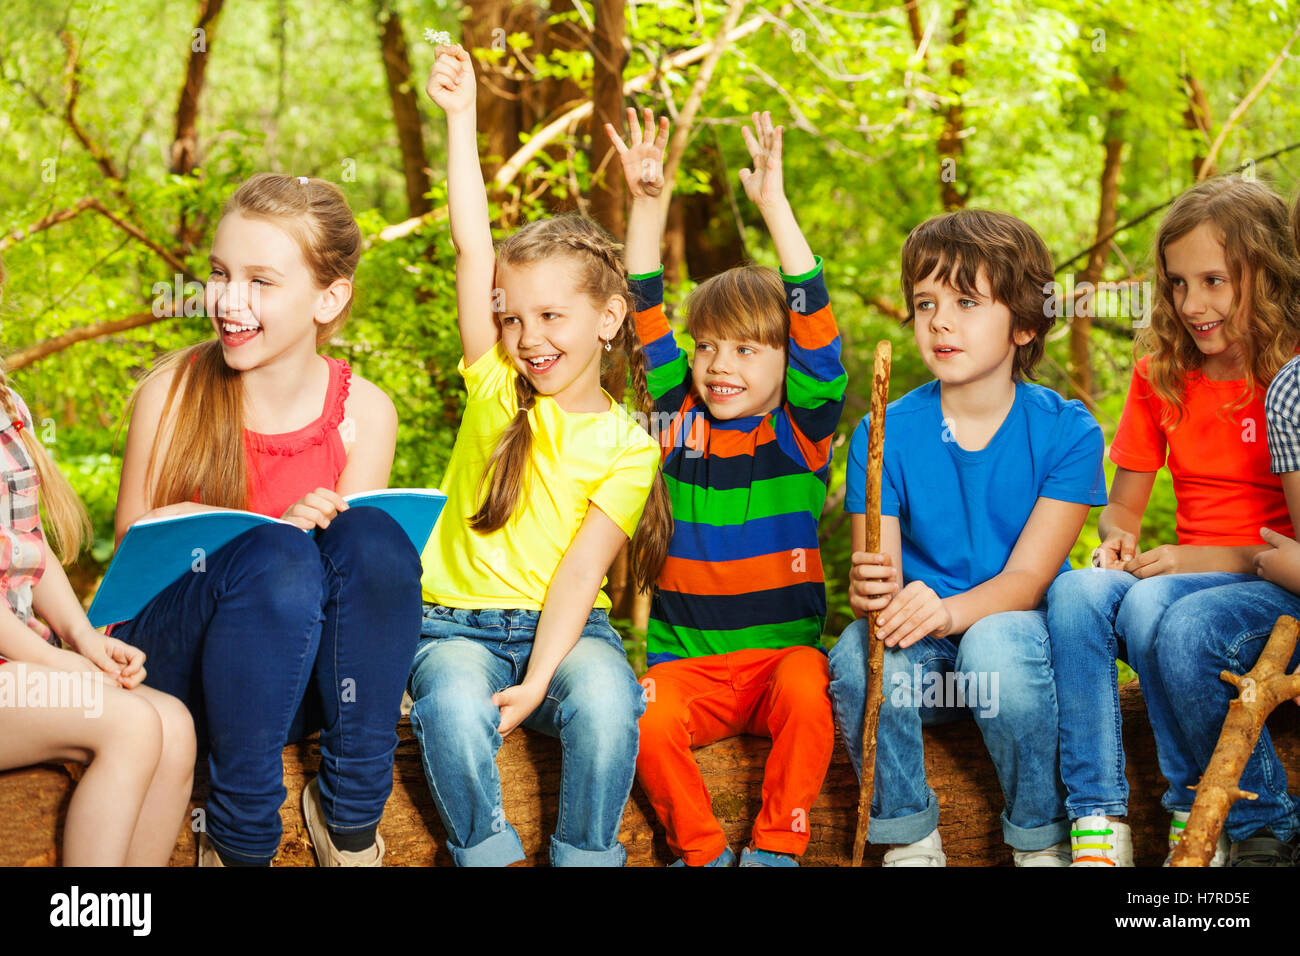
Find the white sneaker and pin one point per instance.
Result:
(208, 855)
(1176, 826)
(924, 852)
(1096, 841)
(1058, 854)
(327, 854)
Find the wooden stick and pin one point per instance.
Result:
(875, 649)
(1261, 689)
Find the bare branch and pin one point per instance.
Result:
(686, 118)
(1245, 104)
(40, 350)
(92, 204)
(53, 219)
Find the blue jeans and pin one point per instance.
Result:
(1218, 629)
(593, 705)
(1094, 616)
(1001, 672)
(282, 634)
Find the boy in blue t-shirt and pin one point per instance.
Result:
(987, 482)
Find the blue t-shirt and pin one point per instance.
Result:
(961, 512)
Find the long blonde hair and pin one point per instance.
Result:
(206, 453)
(67, 526)
(602, 276)
(1265, 271)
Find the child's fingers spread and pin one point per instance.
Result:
(661, 140)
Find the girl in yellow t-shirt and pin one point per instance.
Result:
(546, 482)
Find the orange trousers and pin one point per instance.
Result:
(695, 701)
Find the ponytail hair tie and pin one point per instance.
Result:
(18, 425)
(302, 180)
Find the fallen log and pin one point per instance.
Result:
(34, 800)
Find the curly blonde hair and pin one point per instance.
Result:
(1251, 221)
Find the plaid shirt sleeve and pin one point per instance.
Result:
(1282, 410)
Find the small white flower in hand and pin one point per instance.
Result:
(437, 37)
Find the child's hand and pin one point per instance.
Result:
(873, 580)
(316, 509)
(451, 80)
(1280, 564)
(124, 660)
(1165, 559)
(764, 186)
(1116, 551)
(516, 703)
(643, 162)
(915, 612)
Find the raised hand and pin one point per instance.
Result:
(451, 80)
(764, 184)
(643, 161)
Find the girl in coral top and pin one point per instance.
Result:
(1226, 318)
(278, 634)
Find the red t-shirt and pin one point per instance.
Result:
(282, 468)
(1224, 488)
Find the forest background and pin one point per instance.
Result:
(125, 125)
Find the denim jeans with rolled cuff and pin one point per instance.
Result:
(1005, 670)
(592, 705)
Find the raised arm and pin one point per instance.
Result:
(451, 86)
(667, 366)
(765, 186)
(643, 168)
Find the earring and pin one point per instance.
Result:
(608, 347)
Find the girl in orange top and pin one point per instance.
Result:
(1226, 318)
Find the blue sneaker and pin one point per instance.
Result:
(750, 857)
(725, 858)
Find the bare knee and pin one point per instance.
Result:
(129, 728)
(178, 744)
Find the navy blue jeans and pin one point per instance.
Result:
(279, 635)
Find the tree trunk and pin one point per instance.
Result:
(33, 800)
(950, 141)
(608, 192)
(185, 144)
(406, 113)
(498, 102)
(1081, 324)
(1197, 116)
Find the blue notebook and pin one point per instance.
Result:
(155, 554)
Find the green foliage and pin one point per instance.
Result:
(299, 87)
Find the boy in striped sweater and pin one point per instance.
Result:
(745, 429)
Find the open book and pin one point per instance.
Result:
(156, 553)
